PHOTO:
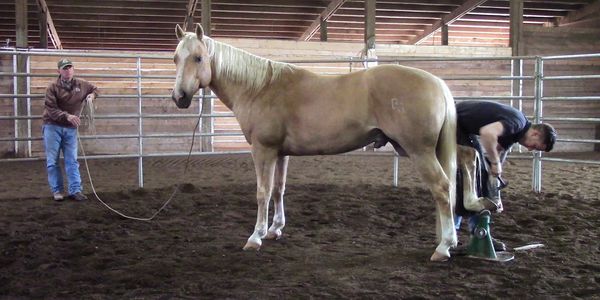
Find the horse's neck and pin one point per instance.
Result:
(233, 85)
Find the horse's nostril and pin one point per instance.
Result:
(182, 96)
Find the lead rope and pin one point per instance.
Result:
(187, 162)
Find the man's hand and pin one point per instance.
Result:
(496, 169)
(90, 98)
(74, 120)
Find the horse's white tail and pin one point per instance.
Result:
(446, 147)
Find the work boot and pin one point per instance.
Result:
(58, 196)
(498, 245)
(78, 197)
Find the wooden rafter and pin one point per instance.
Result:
(326, 14)
(43, 8)
(189, 15)
(583, 13)
(456, 14)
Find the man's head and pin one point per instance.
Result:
(539, 137)
(65, 69)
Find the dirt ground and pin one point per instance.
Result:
(349, 234)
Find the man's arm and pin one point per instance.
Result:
(51, 105)
(488, 136)
(55, 113)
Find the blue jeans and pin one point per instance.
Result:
(473, 220)
(57, 138)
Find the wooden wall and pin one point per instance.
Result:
(546, 41)
(114, 91)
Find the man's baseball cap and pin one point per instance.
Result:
(64, 62)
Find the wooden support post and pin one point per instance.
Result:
(21, 84)
(445, 35)
(206, 16)
(369, 24)
(516, 26)
(323, 29)
(207, 101)
(597, 145)
(43, 20)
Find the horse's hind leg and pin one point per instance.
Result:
(434, 176)
(264, 163)
(278, 190)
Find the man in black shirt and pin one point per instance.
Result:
(488, 130)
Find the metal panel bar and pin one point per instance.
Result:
(28, 86)
(537, 155)
(140, 125)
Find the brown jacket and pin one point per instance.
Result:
(61, 101)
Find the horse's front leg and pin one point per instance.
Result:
(264, 164)
(279, 188)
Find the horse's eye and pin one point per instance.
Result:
(198, 59)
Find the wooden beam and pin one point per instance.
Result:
(369, 24)
(587, 11)
(325, 15)
(448, 19)
(188, 24)
(43, 8)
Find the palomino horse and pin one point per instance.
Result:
(286, 110)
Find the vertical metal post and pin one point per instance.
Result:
(537, 110)
(140, 125)
(395, 170)
(16, 102)
(517, 87)
(28, 68)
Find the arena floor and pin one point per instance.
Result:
(349, 234)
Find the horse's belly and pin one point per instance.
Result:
(328, 144)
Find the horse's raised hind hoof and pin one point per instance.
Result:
(273, 235)
(439, 257)
(251, 246)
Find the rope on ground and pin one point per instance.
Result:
(176, 189)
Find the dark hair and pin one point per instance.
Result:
(549, 134)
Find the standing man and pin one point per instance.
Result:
(488, 130)
(63, 104)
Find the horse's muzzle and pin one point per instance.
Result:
(182, 100)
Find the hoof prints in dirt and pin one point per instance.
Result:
(349, 234)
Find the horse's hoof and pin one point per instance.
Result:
(439, 257)
(251, 246)
(273, 235)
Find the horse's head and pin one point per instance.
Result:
(192, 62)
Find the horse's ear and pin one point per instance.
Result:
(179, 32)
(199, 31)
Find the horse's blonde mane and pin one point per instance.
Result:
(243, 67)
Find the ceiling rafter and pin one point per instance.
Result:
(189, 15)
(325, 15)
(584, 12)
(43, 8)
(456, 14)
